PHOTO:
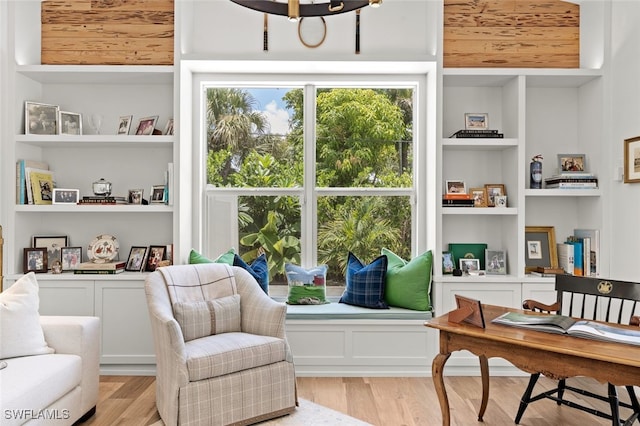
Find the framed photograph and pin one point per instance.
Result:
(168, 129)
(53, 245)
(146, 125)
(476, 121)
(447, 262)
(40, 119)
(632, 160)
(455, 187)
(136, 259)
(124, 124)
(35, 260)
(157, 194)
(571, 163)
(493, 190)
(70, 123)
(496, 262)
(540, 247)
(66, 196)
(135, 196)
(500, 201)
(156, 254)
(469, 265)
(479, 196)
(71, 258)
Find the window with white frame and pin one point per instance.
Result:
(308, 171)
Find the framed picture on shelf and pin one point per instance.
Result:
(146, 125)
(41, 185)
(447, 262)
(469, 265)
(456, 187)
(66, 196)
(70, 123)
(35, 260)
(40, 119)
(571, 163)
(168, 129)
(156, 254)
(157, 194)
(540, 247)
(632, 160)
(135, 196)
(495, 262)
(124, 124)
(494, 190)
(476, 121)
(53, 245)
(71, 258)
(135, 262)
(479, 196)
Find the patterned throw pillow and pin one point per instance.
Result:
(365, 283)
(195, 257)
(408, 283)
(306, 286)
(208, 317)
(259, 270)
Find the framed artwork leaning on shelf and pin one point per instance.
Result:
(156, 254)
(70, 123)
(53, 245)
(40, 119)
(71, 258)
(448, 264)
(35, 260)
(479, 196)
(135, 196)
(495, 262)
(124, 124)
(66, 196)
(571, 163)
(456, 187)
(540, 247)
(157, 194)
(476, 121)
(135, 262)
(147, 125)
(632, 160)
(494, 190)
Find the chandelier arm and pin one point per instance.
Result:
(306, 10)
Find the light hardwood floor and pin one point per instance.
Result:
(381, 401)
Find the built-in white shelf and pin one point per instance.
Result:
(99, 74)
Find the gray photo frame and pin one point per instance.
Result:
(40, 119)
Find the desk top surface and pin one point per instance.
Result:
(624, 354)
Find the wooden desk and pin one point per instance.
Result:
(554, 355)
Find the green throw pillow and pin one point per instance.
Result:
(227, 258)
(408, 283)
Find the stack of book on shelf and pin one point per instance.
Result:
(94, 268)
(478, 133)
(573, 180)
(580, 254)
(457, 200)
(99, 199)
(34, 182)
(544, 271)
(561, 324)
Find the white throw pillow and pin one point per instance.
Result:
(20, 330)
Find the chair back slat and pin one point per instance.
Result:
(596, 298)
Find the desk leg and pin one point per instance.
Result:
(437, 369)
(484, 373)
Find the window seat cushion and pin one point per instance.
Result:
(336, 310)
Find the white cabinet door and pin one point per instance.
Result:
(126, 329)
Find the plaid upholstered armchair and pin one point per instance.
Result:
(221, 351)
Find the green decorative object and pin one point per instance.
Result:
(408, 284)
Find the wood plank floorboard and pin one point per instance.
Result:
(381, 401)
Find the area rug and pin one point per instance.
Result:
(310, 414)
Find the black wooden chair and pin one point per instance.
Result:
(594, 299)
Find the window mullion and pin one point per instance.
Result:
(309, 203)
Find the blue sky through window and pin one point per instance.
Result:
(271, 104)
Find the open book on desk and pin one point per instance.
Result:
(561, 324)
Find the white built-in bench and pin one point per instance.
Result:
(337, 339)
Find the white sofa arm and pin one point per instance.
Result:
(78, 335)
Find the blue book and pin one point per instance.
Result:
(21, 176)
(578, 257)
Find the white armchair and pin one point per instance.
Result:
(229, 375)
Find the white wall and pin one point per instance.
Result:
(624, 213)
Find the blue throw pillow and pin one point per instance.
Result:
(258, 270)
(365, 283)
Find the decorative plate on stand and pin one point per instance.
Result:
(104, 248)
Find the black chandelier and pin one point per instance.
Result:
(294, 10)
